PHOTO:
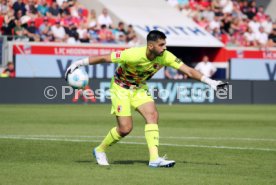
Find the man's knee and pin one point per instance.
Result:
(125, 130)
(124, 125)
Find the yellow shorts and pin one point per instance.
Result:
(123, 99)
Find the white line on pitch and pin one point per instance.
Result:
(136, 143)
(168, 137)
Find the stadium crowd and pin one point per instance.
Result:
(234, 22)
(61, 21)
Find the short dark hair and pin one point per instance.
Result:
(154, 35)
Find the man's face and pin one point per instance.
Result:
(205, 59)
(158, 47)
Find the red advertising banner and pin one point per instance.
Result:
(225, 54)
(63, 50)
(218, 55)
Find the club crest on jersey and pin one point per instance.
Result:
(119, 108)
(118, 54)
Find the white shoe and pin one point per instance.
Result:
(100, 158)
(162, 162)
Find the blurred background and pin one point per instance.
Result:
(231, 40)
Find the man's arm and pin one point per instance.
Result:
(191, 72)
(99, 59)
(87, 61)
(194, 74)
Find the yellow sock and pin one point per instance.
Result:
(152, 137)
(111, 138)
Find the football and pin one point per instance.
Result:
(78, 78)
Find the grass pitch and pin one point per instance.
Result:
(212, 145)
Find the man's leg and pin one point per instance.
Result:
(121, 108)
(123, 128)
(149, 112)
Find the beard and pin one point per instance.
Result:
(161, 53)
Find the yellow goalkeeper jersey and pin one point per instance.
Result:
(135, 68)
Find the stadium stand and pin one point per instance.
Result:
(235, 23)
(60, 21)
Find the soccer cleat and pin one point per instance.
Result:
(100, 158)
(162, 162)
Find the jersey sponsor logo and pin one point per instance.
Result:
(118, 54)
(177, 60)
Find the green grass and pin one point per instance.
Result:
(51, 145)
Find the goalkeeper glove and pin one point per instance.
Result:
(76, 65)
(216, 85)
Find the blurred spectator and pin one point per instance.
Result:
(105, 19)
(58, 32)
(105, 35)
(18, 14)
(208, 14)
(261, 16)
(120, 32)
(206, 67)
(9, 23)
(249, 38)
(226, 5)
(130, 33)
(54, 10)
(92, 19)
(45, 31)
(234, 26)
(134, 41)
(19, 31)
(31, 31)
(71, 31)
(244, 7)
(64, 8)
(272, 38)
(83, 33)
(3, 7)
(254, 25)
(9, 71)
(252, 11)
(226, 23)
(236, 13)
(60, 2)
(267, 24)
(19, 5)
(215, 23)
(216, 7)
(42, 7)
(73, 8)
(261, 37)
(203, 22)
(121, 39)
(31, 8)
(93, 34)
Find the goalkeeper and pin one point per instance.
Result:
(129, 89)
